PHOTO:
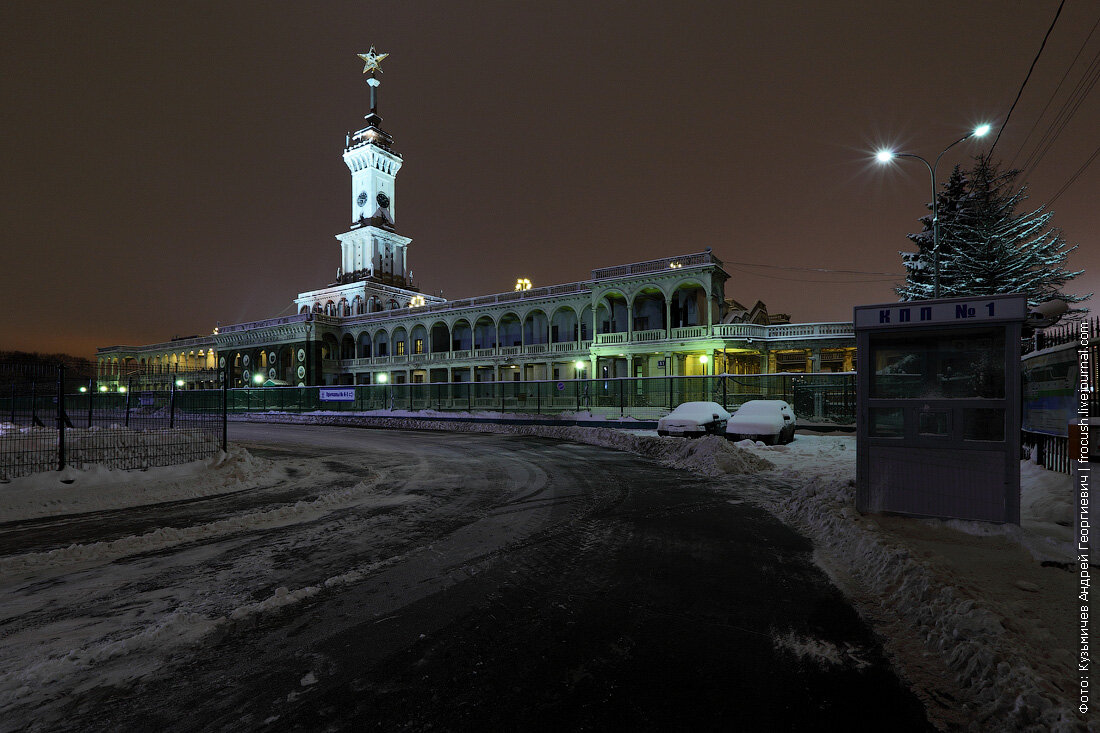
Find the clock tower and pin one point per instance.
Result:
(372, 248)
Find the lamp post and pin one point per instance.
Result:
(885, 156)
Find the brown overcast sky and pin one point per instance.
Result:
(169, 165)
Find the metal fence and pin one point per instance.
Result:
(50, 424)
(1058, 395)
(828, 399)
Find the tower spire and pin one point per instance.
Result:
(372, 64)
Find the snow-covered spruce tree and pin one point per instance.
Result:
(919, 265)
(986, 248)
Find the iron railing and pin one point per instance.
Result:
(826, 398)
(78, 422)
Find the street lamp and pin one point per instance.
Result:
(580, 368)
(885, 156)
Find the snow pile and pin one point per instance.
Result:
(280, 598)
(98, 488)
(819, 651)
(164, 537)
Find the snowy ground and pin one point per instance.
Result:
(992, 607)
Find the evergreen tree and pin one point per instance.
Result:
(985, 246)
(919, 265)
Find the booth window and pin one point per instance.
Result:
(886, 422)
(982, 423)
(934, 422)
(964, 364)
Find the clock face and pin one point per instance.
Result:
(383, 200)
(362, 200)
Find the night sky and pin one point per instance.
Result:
(170, 165)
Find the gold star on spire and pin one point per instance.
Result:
(372, 60)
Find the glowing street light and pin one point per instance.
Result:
(83, 389)
(121, 389)
(103, 388)
(523, 284)
(382, 378)
(885, 156)
(258, 379)
(179, 382)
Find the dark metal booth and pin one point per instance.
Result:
(938, 407)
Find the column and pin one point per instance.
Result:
(668, 317)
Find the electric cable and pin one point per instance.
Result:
(1035, 61)
(1054, 93)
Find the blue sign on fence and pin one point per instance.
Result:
(337, 394)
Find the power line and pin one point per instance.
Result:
(1074, 177)
(1035, 61)
(1054, 93)
(1065, 114)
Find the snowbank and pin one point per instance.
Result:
(974, 596)
(97, 488)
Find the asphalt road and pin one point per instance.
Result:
(537, 585)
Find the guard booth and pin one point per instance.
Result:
(938, 406)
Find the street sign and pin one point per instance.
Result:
(661, 363)
(561, 386)
(337, 394)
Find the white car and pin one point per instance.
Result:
(771, 421)
(692, 419)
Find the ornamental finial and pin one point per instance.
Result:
(372, 61)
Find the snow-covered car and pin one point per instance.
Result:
(771, 421)
(692, 419)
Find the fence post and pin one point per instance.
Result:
(90, 393)
(13, 403)
(129, 391)
(225, 412)
(61, 417)
(34, 403)
(538, 398)
(622, 402)
(171, 407)
(725, 395)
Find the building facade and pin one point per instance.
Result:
(664, 317)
